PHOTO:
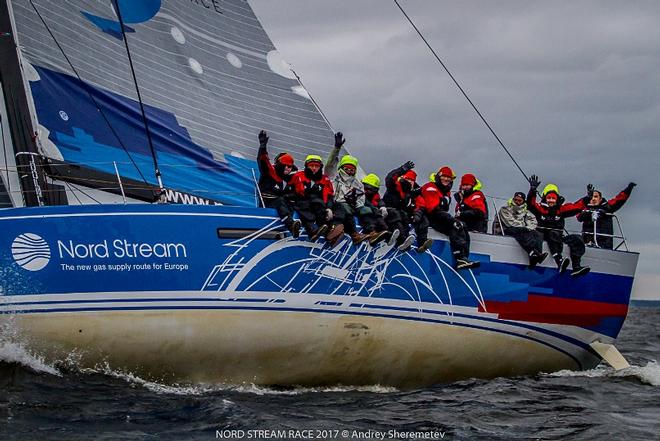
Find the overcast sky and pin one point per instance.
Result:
(572, 88)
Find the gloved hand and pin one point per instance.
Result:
(339, 140)
(263, 138)
(630, 187)
(590, 190)
(383, 212)
(534, 182)
(328, 214)
(458, 196)
(445, 202)
(408, 166)
(458, 225)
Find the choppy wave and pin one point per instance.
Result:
(12, 352)
(649, 374)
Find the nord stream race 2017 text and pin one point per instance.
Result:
(327, 434)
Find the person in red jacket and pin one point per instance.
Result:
(551, 213)
(471, 206)
(274, 184)
(314, 197)
(433, 204)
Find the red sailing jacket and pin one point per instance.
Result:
(431, 198)
(306, 188)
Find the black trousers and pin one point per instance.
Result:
(456, 231)
(556, 241)
(342, 213)
(283, 207)
(422, 229)
(529, 240)
(311, 211)
(398, 220)
(370, 220)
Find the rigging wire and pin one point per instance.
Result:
(139, 96)
(4, 150)
(91, 97)
(327, 121)
(461, 89)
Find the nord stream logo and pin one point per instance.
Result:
(30, 252)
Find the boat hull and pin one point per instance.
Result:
(218, 294)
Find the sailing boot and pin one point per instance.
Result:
(295, 228)
(424, 246)
(378, 237)
(393, 238)
(318, 233)
(536, 258)
(358, 238)
(578, 270)
(406, 244)
(465, 263)
(336, 232)
(562, 262)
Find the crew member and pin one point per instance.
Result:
(598, 216)
(349, 192)
(514, 219)
(551, 213)
(471, 206)
(433, 204)
(274, 185)
(314, 197)
(372, 215)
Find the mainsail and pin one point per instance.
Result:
(210, 79)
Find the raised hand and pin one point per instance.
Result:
(263, 138)
(534, 182)
(339, 140)
(408, 166)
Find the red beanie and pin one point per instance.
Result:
(469, 179)
(410, 174)
(284, 158)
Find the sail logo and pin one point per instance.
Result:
(30, 251)
(132, 12)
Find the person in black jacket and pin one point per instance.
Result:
(401, 191)
(598, 214)
(274, 184)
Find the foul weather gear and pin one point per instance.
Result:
(600, 217)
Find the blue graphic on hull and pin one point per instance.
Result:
(137, 249)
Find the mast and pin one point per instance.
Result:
(29, 162)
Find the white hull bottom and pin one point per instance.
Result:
(284, 348)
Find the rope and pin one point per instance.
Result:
(139, 96)
(461, 89)
(91, 97)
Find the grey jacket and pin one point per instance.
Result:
(344, 185)
(512, 215)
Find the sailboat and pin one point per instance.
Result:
(132, 232)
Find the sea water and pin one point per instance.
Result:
(40, 401)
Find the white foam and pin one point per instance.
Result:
(649, 374)
(11, 352)
(202, 389)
